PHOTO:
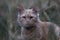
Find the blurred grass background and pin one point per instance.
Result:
(9, 29)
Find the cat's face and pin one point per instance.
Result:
(27, 17)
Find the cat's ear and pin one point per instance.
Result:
(36, 9)
(20, 8)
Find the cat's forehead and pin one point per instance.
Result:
(28, 11)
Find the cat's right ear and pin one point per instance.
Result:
(20, 9)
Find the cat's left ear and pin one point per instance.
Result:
(36, 9)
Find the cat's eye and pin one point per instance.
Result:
(31, 17)
(24, 17)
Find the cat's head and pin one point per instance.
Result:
(27, 17)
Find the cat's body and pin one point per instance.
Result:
(32, 28)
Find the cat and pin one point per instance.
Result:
(32, 28)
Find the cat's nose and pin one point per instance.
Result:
(27, 20)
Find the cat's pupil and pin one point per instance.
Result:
(31, 17)
(24, 17)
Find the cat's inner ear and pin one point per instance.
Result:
(36, 9)
(20, 8)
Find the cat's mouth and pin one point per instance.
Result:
(29, 27)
